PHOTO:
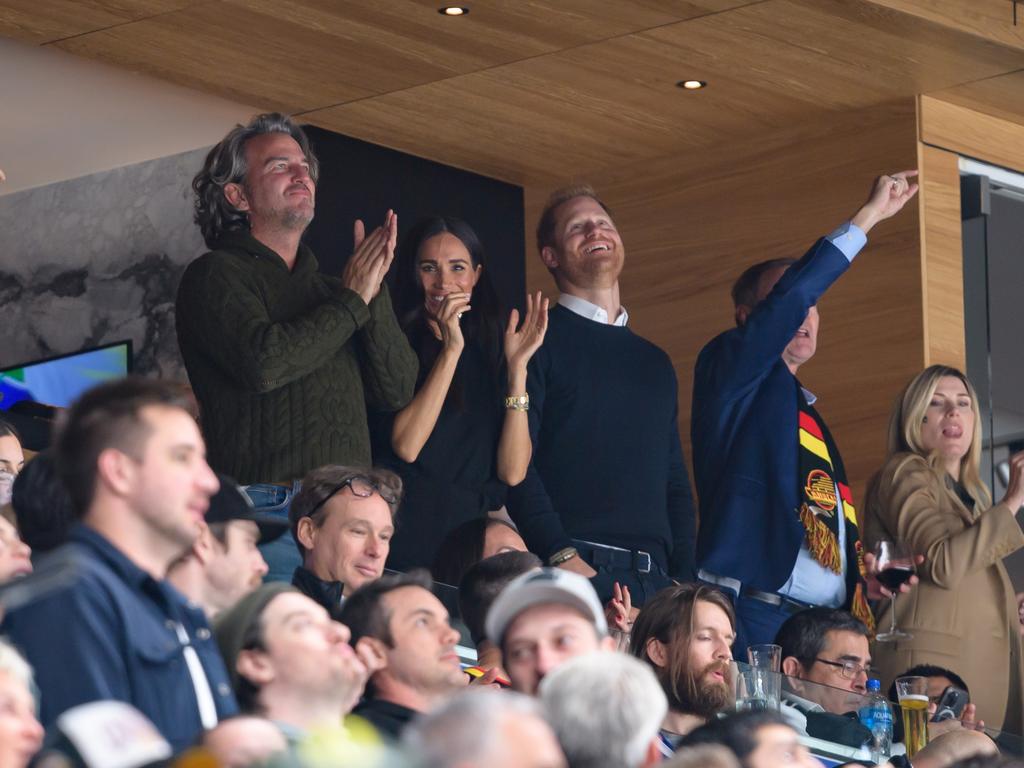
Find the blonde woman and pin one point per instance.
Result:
(963, 614)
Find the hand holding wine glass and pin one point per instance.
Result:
(895, 565)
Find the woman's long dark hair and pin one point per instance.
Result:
(482, 325)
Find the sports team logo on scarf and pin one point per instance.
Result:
(819, 506)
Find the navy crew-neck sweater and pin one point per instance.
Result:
(607, 462)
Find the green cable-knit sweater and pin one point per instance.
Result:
(284, 363)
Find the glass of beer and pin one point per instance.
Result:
(913, 695)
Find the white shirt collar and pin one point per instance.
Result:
(584, 308)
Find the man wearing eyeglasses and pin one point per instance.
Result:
(826, 658)
(343, 521)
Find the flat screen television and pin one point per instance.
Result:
(59, 380)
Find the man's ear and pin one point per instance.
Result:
(374, 650)
(235, 194)
(742, 313)
(792, 667)
(549, 257)
(255, 666)
(204, 545)
(116, 470)
(657, 652)
(305, 532)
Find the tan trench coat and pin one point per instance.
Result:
(963, 614)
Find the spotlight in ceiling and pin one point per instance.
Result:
(453, 10)
(692, 85)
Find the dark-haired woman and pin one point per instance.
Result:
(465, 435)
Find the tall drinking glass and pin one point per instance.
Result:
(913, 695)
(895, 564)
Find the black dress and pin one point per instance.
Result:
(454, 478)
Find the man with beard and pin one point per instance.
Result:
(224, 564)
(282, 358)
(685, 633)
(625, 513)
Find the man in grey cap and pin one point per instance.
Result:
(288, 661)
(542, 619)
(224, 562)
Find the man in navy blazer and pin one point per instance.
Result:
(752, 540)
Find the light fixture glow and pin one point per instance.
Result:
(692, 85)
(453, 10)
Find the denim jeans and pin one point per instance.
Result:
(282, 554)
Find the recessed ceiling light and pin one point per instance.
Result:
(453, 10)
(692, 85)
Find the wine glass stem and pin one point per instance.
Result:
(892, 617)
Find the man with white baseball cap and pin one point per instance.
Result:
(542, 619)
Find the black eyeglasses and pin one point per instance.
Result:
(848, 669)
(361, 486)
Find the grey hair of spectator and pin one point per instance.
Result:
(466, 729)
(703, 756)
(12, 663)
(605, 707)
(226, 164)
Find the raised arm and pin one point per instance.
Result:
(515, 447)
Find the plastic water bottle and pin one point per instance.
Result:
(876, 716)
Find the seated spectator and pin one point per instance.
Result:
(606, 709)
(828, 647)
(471, 542)
(686, 634)
(21, 735)
(343, 521)
(542, 619)
(133, 462)
(15, 555)
(703, 756)
(12, 459)
(939, 679)
(758, 739)
(478, 590)
(243, 741)
(289, 661)
(484, 729)
(42, 505)
(466, 431)
(224, 564)
(398, 623)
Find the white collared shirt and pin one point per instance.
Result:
(584, 308)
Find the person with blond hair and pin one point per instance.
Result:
(21, 735)
(930, 495)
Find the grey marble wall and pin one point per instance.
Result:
(98, 259)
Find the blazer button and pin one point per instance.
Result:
(203, 633)
(224, 689)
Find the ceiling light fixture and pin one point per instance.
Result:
(692, 85)
(453, 10)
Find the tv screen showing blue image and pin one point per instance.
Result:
(60, 380)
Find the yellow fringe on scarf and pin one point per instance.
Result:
(821, 541)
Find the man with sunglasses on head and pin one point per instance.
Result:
(343, 521)
(826, 659)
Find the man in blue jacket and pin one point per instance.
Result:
(110, 627)
(778, 527)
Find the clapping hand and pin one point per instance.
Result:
(372, 258)
(521, 344)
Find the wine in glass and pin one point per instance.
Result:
(895, 565)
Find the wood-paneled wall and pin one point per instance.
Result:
(692, 223)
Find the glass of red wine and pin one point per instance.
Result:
(895, 564)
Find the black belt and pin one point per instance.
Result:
(616, 557)
(788, 604)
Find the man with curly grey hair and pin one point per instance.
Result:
(282, 358)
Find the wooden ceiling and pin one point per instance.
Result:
(540, 91)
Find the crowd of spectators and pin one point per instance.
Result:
(573, 614)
